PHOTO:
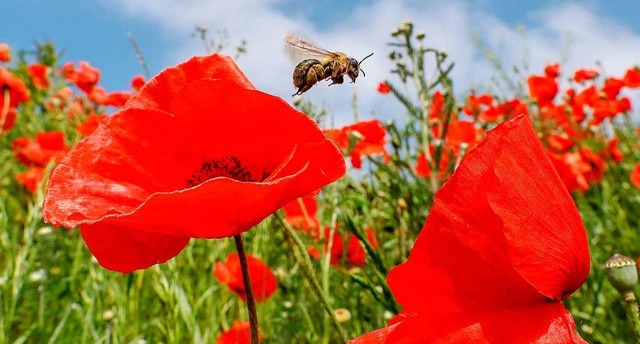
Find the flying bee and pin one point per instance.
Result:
(332, 65)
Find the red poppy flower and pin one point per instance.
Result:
(355, 254)
(559, 143)
(384, 88)
(31, 179)
(573, 170)
(137, 82)
(552, 70)
(371, 140)
(90, 124)
(239, 333)
(301, 213)
(436, 108)
(513, 108)
(613, 149)
(98, 95)
(612, 87)
(39, 77)
(632, 77)
(362, 138)
(5, 52)
(263, 282)
(196, 153)
(543, 89)
(635, 176)
(85, 77)
(48, 146)
(117, 99)
(476, 104)
(501, 247)
(595, 162)
(423, 169)
(7, 120)
(583, 74)
(18, 92)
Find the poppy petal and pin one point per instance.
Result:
(160, 92)
(120, 247)
(545, 323)
(499, 252)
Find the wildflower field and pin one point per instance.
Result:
(195, 208)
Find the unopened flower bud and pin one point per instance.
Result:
(108, 315)
(420, 36)
(621, 272)
(342, 315)
(402, 204)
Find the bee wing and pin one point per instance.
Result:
(299, 48)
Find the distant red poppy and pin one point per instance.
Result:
(263, 282)
(559, 143)
(85, 77)
(5, 52)
(632, 77)
(583, 74)
(613, 149)
(477, 103)
(7, 120)
(239, 333)
(423, 168)
(118, 99)
(371, 142)
(17, 89)
(39, 77)
(595, 162)
(98, 95)
(384, 88)
(137, 82)
(573, 170)
(635, 176)
(31, 179)
(196, 153)
(612, 87)
(358, 139)
(552, 70)
(501, 247)
(90, 124)
(47, 146)
(301, 213)
(543, 89)
(355, 254)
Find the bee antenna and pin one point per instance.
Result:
(362, 70)
(366, 57)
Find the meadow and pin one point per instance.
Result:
(155, 263)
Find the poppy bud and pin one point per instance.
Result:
(621, 272)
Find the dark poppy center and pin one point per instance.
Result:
(230, 167)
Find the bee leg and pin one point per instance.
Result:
(337, 80)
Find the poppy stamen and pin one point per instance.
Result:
(230, 167)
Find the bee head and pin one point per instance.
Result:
(354, 67)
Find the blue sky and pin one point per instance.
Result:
(96, 31)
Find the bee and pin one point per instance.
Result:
(332, 65)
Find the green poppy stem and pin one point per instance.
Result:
(633, 315)
(307, 268)
(248, 290)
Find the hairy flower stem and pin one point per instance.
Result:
(307, 267)
(251, 302)
(633, 315)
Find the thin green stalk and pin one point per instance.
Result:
(307, 267)
(633, 315)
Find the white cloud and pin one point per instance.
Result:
(448, 25)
